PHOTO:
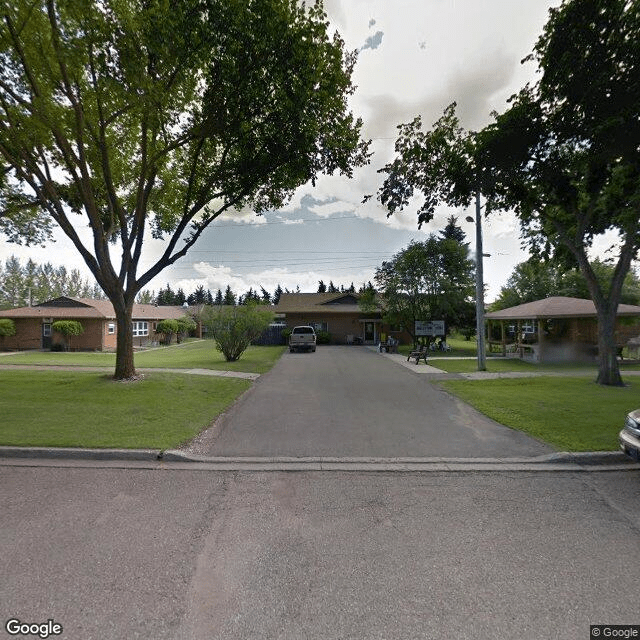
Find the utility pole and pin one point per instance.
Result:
(482, 361)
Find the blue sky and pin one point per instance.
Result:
(416, 57)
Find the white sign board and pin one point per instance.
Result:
(429, 327)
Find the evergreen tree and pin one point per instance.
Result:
(199, 295)
(229, 297)
(209, 300)
(218, 299)
(322, 287)
(146, 297)
(166, 297)
(266, 296)
(30, 274)
(276, 295)
(12, 291)
(332, 287)
(453, 232)
(179, 298)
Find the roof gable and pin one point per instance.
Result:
(64, 301)
(349, 298)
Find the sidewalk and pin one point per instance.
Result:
(192, 372)
(439, 374)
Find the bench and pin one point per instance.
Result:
(418, 354)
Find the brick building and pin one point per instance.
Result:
(97, 317)
(339, 314)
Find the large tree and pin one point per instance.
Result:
(428, 280)
(536, 279)
(565, 156)
(138, 118)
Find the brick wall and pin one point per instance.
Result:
(28, 335)
(341, 326)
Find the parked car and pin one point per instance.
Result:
(630, 435)
(302, 338)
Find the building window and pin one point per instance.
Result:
(140, 329)
(320, 326)
(111, 328)
(46, 330)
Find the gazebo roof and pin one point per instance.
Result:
(557, 307)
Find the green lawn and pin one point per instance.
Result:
(73, 409)
(572, 414)
(198, 354)
(468, 366)
(459, 348)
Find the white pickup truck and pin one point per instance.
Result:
(302, 338)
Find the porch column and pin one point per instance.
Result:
(541, 340)
(519, 339)
(503, 339)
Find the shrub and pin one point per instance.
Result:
(323, 337)
(7, 327)
(167, 328)
(68, 328)
(233, 328)
(286, 334)
(186, 325)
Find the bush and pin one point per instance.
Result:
(233, 328)
(323, 337)
(286, 334)
(7, 327)
(167, 328)
(68, 328)
(186, 325)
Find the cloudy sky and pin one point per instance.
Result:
(416, 57)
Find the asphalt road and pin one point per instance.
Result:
(350, 402)
(189, 555)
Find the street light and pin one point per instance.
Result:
(482, 362)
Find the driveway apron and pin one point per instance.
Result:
(351, 402)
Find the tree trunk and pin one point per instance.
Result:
(608, 369)
(125, 369)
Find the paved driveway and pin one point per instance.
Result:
(353, 402)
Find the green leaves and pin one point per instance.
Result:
(125, 116)
(438, 164)
(430, 280)
(233, 328)
(68, 327)
(7, 327)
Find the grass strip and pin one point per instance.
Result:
(572, 414)
(200, 354)
(90, 410)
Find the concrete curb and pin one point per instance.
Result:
(62, 453)
(176, 459)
